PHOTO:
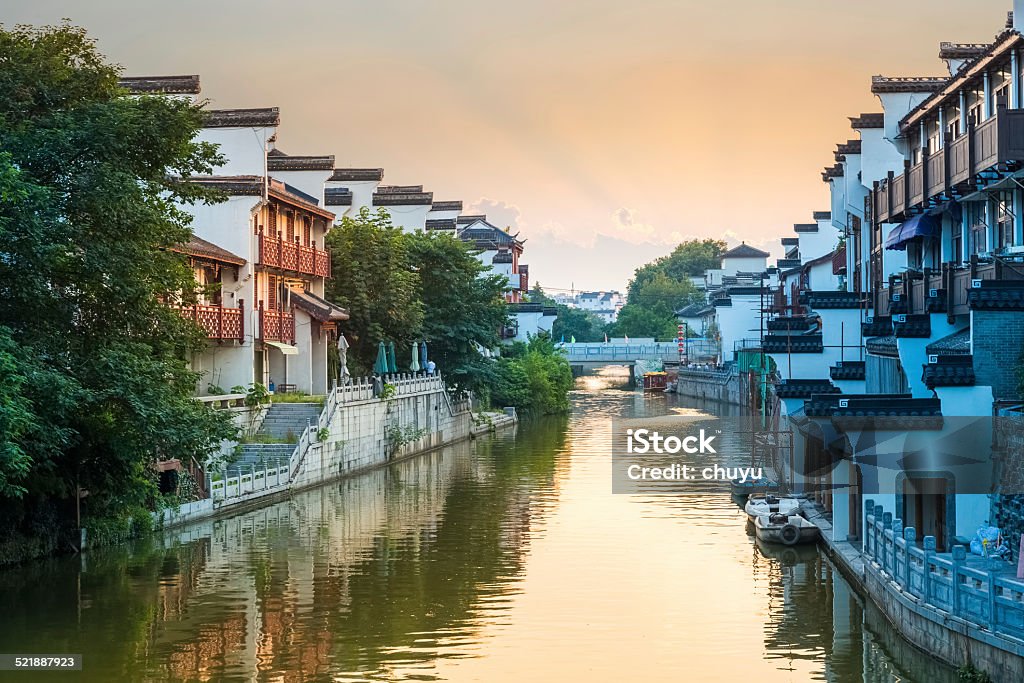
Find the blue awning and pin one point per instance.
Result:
(921, 225)
(927, 224)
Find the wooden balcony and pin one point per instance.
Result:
(277, 326)
(294, 257)
(951, 170)
(219, 322)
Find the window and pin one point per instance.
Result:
(272, 292)
(1004, 212)
(306, 231)
(957, 243)
(914, 254)
(290, 232)
(976, 227)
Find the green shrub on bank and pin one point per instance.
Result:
(535, 378)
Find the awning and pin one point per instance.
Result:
(927, 224)
(286, 349)
(921, 225)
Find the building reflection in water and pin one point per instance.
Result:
(396, 568)
(815, 617)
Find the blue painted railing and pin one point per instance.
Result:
(991, 599)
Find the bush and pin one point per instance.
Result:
(535, 380)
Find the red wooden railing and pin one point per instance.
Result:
(277, 325)
(218, 321)
(278, 253)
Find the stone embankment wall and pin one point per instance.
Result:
(356, 431)
(368, 432)
(725, 386)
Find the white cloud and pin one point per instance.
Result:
(499, 213)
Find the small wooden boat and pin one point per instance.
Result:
(655, 381)
(785, 529)
(763, 504)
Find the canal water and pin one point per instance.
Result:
(504, 559)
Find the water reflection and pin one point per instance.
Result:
(498, 560)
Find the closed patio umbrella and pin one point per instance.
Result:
(414, 366)
(423, 355)
(392, 363)
(343, 345)
(380, 366)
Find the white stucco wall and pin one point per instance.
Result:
(733, 265)
(244, 149)
(409, 218)
(310, 182)
(878, 156)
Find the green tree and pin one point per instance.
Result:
(464, 306)
(89, 210)
(636, 321)
(689, 259)
(374, 279)
(535, 379)
(576, 323)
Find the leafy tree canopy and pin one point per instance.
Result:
(93, 361)
(373, 278)
(464, 307)
(689, 259)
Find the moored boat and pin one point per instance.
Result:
(785, 529)
(655, 381)
(763, 504)
(751, 486)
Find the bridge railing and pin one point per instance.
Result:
(643, 351)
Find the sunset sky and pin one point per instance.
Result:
(603, 131)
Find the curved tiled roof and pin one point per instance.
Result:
(318, 307)
(831, 172)
(358, 174)
(962, 50)
(168, 85)
(440, 224)
(242, 118)
(745, 251)
(880, 326)
(950, 371)
(913, 84)
(883, 346)
(848, 370)
(447, 206)
(795, 343)
(864, 121)
(337, 196)
(913, 326)
(956, 344)
(279, 161)
(997, 295)
(200, 248)
(805, 388)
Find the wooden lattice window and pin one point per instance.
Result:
(306, 231)
(272, 292)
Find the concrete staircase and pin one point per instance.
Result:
(287, 421)
(284, 423)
